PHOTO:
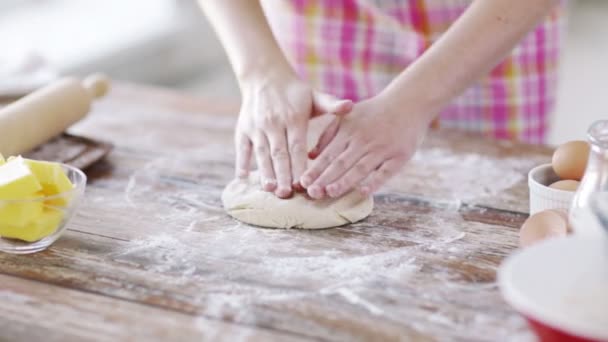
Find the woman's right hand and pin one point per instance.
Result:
(272, 127)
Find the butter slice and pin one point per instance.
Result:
(18, 214)
(51, 176)
(41, 227)
(17, 181)
(53, 180)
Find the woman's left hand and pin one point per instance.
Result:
(364, 148)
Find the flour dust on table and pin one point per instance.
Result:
(244, 200)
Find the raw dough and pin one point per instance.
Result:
(245, 201)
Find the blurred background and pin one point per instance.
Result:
(168, 43)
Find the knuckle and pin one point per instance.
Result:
(261, 149)
(383, 147)
(384, 172)
(271, 121)
(401, 155)
(297, 146)
(337, 189)
(279, 153)
(365, 141)
(360, 169)
(326, 158)
(314, 172)
(294, 118)
(363, 138)
(298, 166)
(340, 163)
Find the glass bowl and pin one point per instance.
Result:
(52, 215)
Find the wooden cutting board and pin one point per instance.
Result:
(74, 150)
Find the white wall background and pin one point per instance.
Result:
(583, 87)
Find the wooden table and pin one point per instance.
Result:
(152, 256)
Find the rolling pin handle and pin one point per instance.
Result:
(97, 85)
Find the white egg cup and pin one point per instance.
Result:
(542, 197)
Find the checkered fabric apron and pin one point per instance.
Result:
(355, 48)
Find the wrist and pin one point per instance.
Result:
(263, 73)
(408, 107)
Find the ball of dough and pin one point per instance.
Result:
(244, 200)
(570, 160)
(567, 185)
(543, 225)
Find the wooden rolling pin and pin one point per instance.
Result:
(47, 112)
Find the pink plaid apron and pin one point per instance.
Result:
(354, 48)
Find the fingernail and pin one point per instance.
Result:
(332, 190)
(365, 190)
(283, 192)
(297, 187)
(269, 184)
(306, 181)
(315, 192)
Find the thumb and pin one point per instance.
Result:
(324, 103)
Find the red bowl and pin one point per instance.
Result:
(561, 287)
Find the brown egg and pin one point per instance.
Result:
(567, 185)
(543, 225)
(570, 160)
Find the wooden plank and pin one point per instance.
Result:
(77, 151)
(34, 311)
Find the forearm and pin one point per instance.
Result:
(246, 36)
(475, 43)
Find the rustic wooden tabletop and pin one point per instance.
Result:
(152, 256)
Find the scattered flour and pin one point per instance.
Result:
(463, 177)
(242, 266)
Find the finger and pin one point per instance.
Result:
(296, 139)
(319, 165)
(243, 155)
(262, 158)
(340, 165)
(358, 172)
(279, 153)
(328, 134)
(324, 103)
(378, 177)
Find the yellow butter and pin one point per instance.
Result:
(22, 179)
(18, 214)
(17, 181)
(2, 160)
(53, 180)
(42, 226)
(51, 176)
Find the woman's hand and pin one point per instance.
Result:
(364, 149)
(272, 126)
